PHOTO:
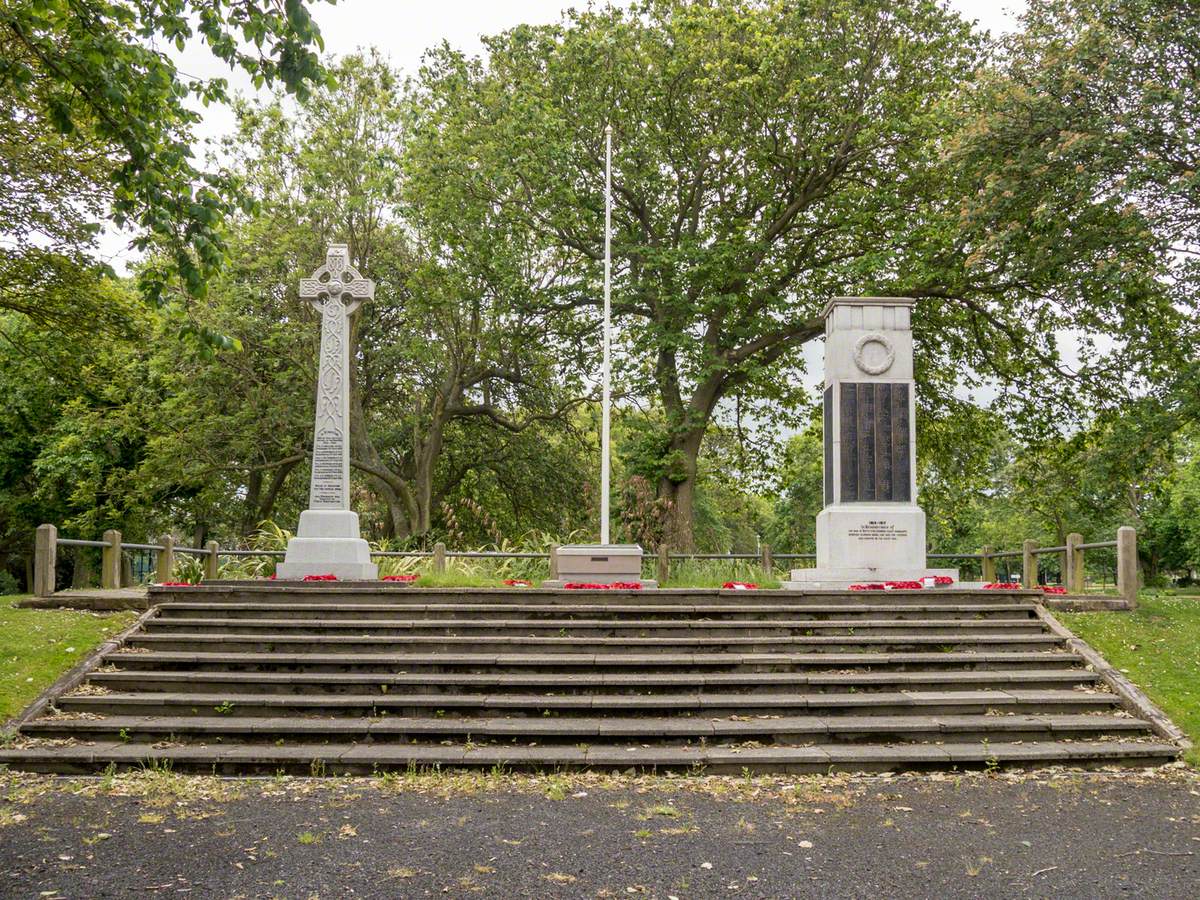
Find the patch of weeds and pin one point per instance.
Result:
(151, 818)
(402, 872)
(643, 834)
(308, 838)
(560, 878)
(556, 788)
(225, 708)
(108, 777)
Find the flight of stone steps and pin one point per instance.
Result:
(331, 678)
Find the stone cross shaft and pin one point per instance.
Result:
(336, 290)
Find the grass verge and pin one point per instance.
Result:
(1158, 647)
(38, 645)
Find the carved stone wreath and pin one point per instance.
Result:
(877, 366)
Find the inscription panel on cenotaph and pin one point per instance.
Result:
(877, 530)
(875, 440)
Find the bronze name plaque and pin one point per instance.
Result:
(875, 434)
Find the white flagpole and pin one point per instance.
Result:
(607, 401)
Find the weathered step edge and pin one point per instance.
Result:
(371, 758)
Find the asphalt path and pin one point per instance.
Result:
(1063, 836)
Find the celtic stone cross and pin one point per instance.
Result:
(328, 541)
(336, 290)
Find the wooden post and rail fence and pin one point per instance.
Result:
(112, 547)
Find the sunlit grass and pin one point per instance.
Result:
(39, 645)
(1158, 646)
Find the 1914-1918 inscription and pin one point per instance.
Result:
(877, 530)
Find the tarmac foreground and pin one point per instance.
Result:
(1058, 833)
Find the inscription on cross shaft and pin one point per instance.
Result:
(336, 290)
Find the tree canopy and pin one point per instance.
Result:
(1037, 193)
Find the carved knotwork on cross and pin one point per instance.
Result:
(337, 280)
(335, 290)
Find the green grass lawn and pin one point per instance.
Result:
(1158, 647)
(39, 645)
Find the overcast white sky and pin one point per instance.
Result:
(404, 29)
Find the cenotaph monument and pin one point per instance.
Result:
(327, 541)
(871, 529)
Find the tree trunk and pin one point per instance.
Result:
(679, 489)
(266, 506)
(253, 499)
(81, 572)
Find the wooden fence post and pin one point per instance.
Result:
(1127, 567)
(554, 562)
(165, 564)
(1029, 563)
(767, 560)
(439, 558)
(987, 566)
(1073, 574)
(212, 561)
(110, 561)
(45, 558)
(663, 571)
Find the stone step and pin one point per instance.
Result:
(718, 612)
(369, 758)
(712, 704)
(241, 641)
(879, 660)
(592, 627)
(194, 681)
(397, 594)
(654, 730)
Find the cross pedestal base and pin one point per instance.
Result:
(327, 543)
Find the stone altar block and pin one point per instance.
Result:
(327, 541)
(599, 564)
(871, 528)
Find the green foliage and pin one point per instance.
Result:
(747, 188)
(90, 70)
(769, 155)
(712, 573)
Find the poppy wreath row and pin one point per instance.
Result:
(1016, 586)
(615, 586)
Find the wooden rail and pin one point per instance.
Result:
(47, 542)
